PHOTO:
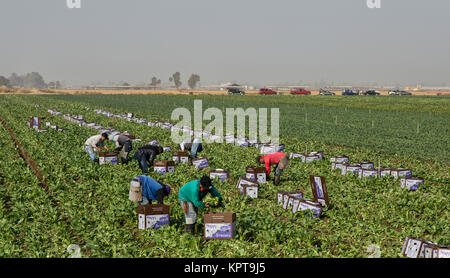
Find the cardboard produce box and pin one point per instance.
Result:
(293, 203)
(220, 173)
(153, 216)
(420, 248)
(200, 163)
(293, 155)
(411, 183)
(411, 247)
(35, 122)
(244, 181)
(270, 148)
(180, 157)
(293, 200)
(108, 157)
(340, 159)
(338, 165)
(242, 142)
(314, 207)
(283, 197)
(367, 165)
(310, 158)
(319, 189)
(319, 154)
(352, 168)
(399, 173)
(439, 252)
(295, 194)
(229, 139)
(256, 174)
(164, 166)
(250, 190)
(280, 195)
(220, 225)
(367, 173)
(252, 142)
(384, 172)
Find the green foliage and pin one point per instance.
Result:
(92, 207)
(213, 201)
(394, 119)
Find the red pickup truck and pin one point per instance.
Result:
(265, 91)
(300, 91)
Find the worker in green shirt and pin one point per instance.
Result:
(191, 195)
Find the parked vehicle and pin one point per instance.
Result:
(300, 91)
(348, 92)
(399, 93)
(371, 93)
(326, 93)
(265, 91)
(232, 91)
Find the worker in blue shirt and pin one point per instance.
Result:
(151, 190)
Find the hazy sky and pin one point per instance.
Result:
(253, 41)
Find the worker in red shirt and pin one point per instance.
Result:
(278, 158)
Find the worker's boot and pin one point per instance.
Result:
(189, 229)
(276, 180)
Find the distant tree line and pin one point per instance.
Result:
(28, 80)
(35, 80)
(176, 79)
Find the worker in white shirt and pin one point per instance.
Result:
(195, 147)
(123, 144)
(94, 143)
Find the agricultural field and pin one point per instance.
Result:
(66, 199)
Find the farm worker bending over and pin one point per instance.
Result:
(147, 154)
(94, 143)
(195, 147)
(277, 158)
(151, 190)
(191, 195)
(123, 144)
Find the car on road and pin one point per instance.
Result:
(300, 91)
(371, 93)
(265, 91)
(399, 93)
(233, 91)
(348, 92)
(326, 93)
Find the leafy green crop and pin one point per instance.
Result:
(91, 206)
(213, 201)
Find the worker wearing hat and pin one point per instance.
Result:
(191, 195)
(144, 189)
(146, 155)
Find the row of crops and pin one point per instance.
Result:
(416, 127)
(87, 204)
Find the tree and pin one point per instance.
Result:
(193, 80)
(155, 81)
(176, 78)
(34, 80)
(15, 80)
(4, 81)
